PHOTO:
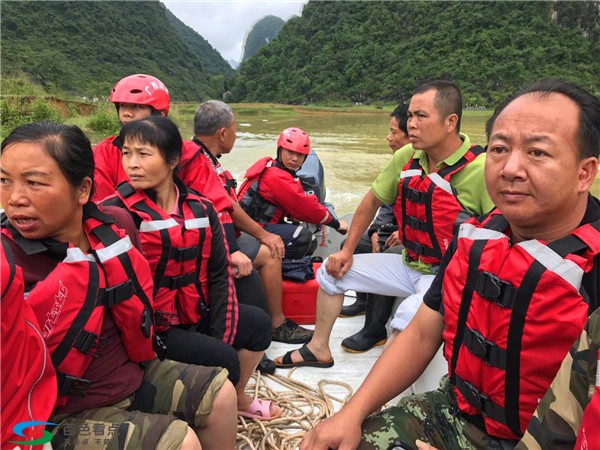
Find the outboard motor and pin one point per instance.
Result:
(312, 177)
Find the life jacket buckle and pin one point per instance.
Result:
(121, 292)
(416, 196)
(492, 288)
(146, 325)
(185, 254)
(71, 386)
(474, 397)
(162, 318)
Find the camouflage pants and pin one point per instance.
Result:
(172, 396)
(430, 417)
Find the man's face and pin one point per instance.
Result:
(532, 170)
(426, 129)
(128, 112)
(229, 136)
(396, 138)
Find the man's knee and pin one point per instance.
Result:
(327, 282)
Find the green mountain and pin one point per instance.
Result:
(261, 33)
(84, 48)
(379, 51)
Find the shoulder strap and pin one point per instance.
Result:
(11, 264)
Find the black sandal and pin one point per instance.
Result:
(308, 360)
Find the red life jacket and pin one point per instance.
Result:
(70, 302)
(271, 192)
(28, 379)
(588, 437)
(254, 204)
(511, 313)
(229, 183)
(197, 172)
(178, 255)
(427, 208)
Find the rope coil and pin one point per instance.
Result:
(303, 407)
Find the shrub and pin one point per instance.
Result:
(103, 122)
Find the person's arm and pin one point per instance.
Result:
(418, 343)
(243, 222)
(339, 263)
(279, 187)
(221, 291)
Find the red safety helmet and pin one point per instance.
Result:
(294, 140)
(141, 89)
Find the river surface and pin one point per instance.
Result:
(351, 146)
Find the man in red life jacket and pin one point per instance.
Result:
(511, 296)
(434, 184)
(28, 378)
(215, 135)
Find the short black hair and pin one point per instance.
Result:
(588, 134)
(401, 116)
(157, 131)
(447, 100)
(67, 145)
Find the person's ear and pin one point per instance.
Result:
(588, 168)
(451, 122)
(84, 191)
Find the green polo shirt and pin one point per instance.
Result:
(468, 182)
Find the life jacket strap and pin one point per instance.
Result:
(420, 249)
(417, 224)
(480, 401)
(119, 293)
(488, 351)
(177, 282)
(184, 254)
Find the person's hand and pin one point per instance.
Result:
(338, 264)
(393, 240)
(275, 244)
(343, 229)
(336, 432)
(374, 243)
(424, 445)
(242, 266)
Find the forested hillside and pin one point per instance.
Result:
(84, 48)
(261, 33)
(379, 51)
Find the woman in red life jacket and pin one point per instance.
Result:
(135, 97)
(200, 321)
(28, 379)
(272, 191)
(90, 288)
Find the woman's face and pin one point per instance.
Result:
(145, 166)
(38, 200)
(292, 160)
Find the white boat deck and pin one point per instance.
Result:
(350, 368)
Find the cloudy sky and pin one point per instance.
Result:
(225, 23)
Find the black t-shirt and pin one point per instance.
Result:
(590, 286)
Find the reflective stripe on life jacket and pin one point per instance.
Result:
(427, 208)
(69, 303)
(511, 313)
(178, 255)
